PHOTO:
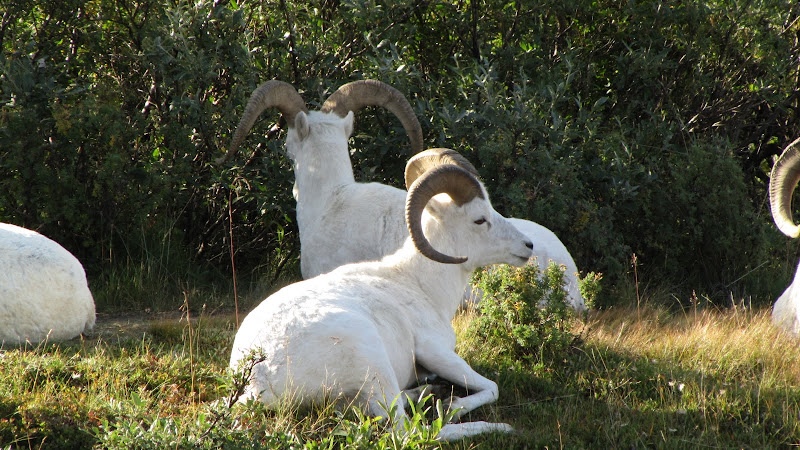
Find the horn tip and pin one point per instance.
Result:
(224, 158)
(787, 227)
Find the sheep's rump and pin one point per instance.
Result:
(316, 346)
(43, 289)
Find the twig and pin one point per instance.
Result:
(233, 263)
(292, 44)
(634, 261)
(240, 384)
(191, 347)
(746, 274)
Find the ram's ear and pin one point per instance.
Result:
(348, 123)
(301, 125)
(438, 205)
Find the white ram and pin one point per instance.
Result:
(364, 330)
(782, 182)
(43, 289)
(341, 221)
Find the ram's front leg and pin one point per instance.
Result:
(448, 365)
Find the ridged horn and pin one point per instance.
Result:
(272, 94)
(782, 182)
(424, 161)
(449, 179)
(358, 94)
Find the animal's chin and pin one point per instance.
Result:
(520, 260)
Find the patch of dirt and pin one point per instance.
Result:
(134, 325)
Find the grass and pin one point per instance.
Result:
(663, 379)
(638, 377)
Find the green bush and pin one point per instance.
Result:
(626, 128)
(524, 317)
(110, 158)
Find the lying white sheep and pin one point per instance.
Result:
(43, 290)
(364, 329)
(782, 182)
(341, 221)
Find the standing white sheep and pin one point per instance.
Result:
(341, 221)
(782, 182)
(363, 330)
(43, 289)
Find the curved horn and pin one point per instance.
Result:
(424, 161)
(358, 94)
(450, 179)
(782, 182)
(273, 93)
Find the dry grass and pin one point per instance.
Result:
(728, 342)
(655, 377)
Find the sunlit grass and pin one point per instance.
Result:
(657, 378)
(730, 342)
(731, 371)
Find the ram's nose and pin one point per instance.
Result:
(529, 244)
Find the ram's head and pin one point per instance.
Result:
(349, 98)
(478, 228)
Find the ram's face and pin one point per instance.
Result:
(480, 233)
(495, 240)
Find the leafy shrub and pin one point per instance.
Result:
(523, 317)
(613, 189)
(597, 119)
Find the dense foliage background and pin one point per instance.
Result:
(642, 128)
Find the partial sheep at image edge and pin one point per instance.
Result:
(782, 182)
(44, 295)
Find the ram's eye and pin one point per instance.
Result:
(480, 221)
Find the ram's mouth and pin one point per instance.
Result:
(522, 258)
